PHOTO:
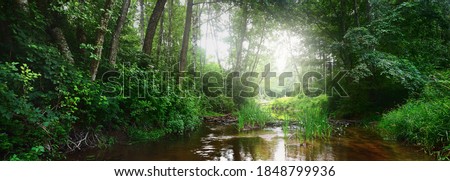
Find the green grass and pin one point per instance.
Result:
(424, 121)
(309, 113)
(314, 122)
(421, 122)
(252, 114)
(137, 135)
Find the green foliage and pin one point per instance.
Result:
(311, 115)
(424, 121)
(313, 118)
(420, 122)
(389, 50)
(252, 114)
(24, 124)
(221, 103)
(389, 57)
(416, 31)
(48, 102)
(33, 154)
(391, 67)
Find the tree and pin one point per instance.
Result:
(152, 25)
(101, 38)
(141, 20)
(161, 36)
(116, 36)
(241, 36)
(61, 42)
(187, 30)
(169, 31)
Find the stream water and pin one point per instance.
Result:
(225, 143)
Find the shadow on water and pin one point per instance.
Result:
(226, 143)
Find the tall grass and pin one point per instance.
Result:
(314, 122)
(310, 114)
(252, 114)
(424, 121)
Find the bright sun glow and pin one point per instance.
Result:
(277, 45)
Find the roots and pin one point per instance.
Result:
(83, 139)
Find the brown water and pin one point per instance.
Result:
(224, 142)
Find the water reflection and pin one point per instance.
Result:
(225, 143)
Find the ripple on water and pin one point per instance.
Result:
(225, 143)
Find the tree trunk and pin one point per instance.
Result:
(187, 30)
(152, 25)
(169, 32)
(214, 34)
(61, 42)
(142, 20)
(258, 49)
(101, 38)
(161, 37)
(116, 36)
(242, 35)
(196, 33)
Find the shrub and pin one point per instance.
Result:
(424, 121)
(252, 114)
(309, 113)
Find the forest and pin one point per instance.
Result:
(81, 75)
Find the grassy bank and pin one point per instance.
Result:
(424, 121)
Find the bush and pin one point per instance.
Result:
(251, 114)
(163, 110)
(425, 121)
(421, 122)
(220, 104)
(311, 114)
(51, 108)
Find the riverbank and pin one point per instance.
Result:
(219, 139)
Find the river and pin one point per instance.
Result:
(223, 142)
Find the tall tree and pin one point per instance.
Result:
(152, 25)
(116, 36)
(141, 20)
(161, 37)
(56, 33)
(187, 30)
(101, 38)
(241, 36)
(169, 31)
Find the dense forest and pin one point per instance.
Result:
(78, 74)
